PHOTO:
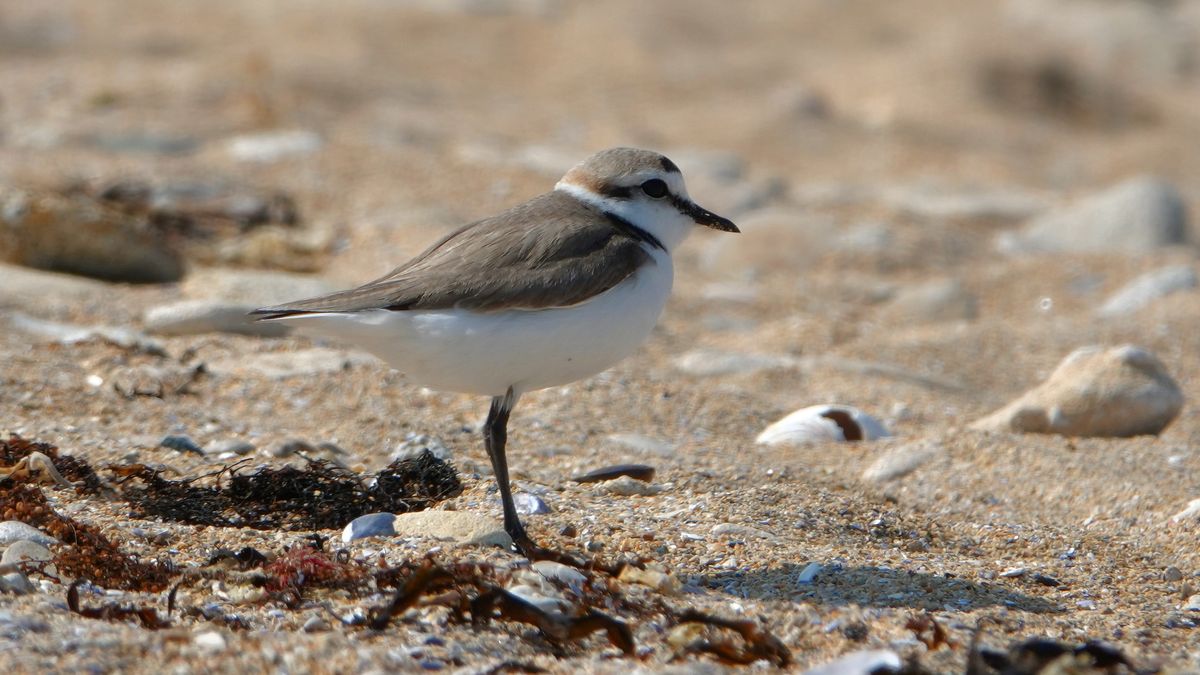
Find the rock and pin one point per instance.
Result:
(257, 288)
(37, 291)
(1137, 216)
(823, 424)
(710, 363)
(1172, 574)
(742, 532)
(809, 573)
(78, 234)
(530, 505)
(656, 578)
(272, 146)
(197, 317)
(640, 443)
(181, 444)
(872, 662)
(232, 446)
(902, 460)
(16, 583)
(209, 642)
(561, 574)
(370, 525)
(461, 527)
(642, 472)
(315, 624)
(548, 602)
(14, 530)
(626, 486)
(1192, 604)
(1119, 392)
(1190, 513)
(279, 365)
(414, 444)
(1147, 288)
(29, 551)
(930, 302)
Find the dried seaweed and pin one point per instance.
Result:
(305, 566)
(757, 642)
(146, 616)
(933, 635)
(319, 496)
(15, 449)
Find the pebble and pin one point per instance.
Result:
(1172, 574)
(16, 583)
(272, 146)
(414, 444)
(1136, 216)
(823, 423)
(181, 444)
(642, 472)
(462, 527)
(630, 487)
(280, 365)
(370, 525)
(553, 605)
(1147, 288)
(29, 551)
(657, 579)
(232, 446)
(198, 317)
(1119, 392)
(711, 362)
(1190, 512)
(315, 624)
(1192, 604)
(937, 301)
(902, 460)
(14, 530)
(870, 662)
(209, 642)
(530, 505)
(741, 532)
(809, 573)
(561, 574)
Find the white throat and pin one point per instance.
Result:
(659, 219)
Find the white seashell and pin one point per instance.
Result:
(821, 424)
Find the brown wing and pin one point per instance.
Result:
(551, 251)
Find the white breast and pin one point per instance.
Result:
(486, 353)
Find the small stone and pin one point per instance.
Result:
(1014, 572)
(657, 579)
(1147, 288)
(530, 505)
(630, 487)
(1192, 604)
(809, 573)
(29, 551)
(232, 446)
(462, 527)
(198, 317)
(741, 532)
(640, 472)
(1172, 574)
(1189, 513)
(903, 460)
(14, 530)
(547, 602)
(561, 574)
(875, 662)
(370, 525)
(1120, 392)
(180, 443)
(1136, 216)
(16, 583)
(209, 642)
(315, 624)
(272, 146)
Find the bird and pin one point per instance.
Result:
(548, 292)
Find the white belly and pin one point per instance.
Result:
(486, 353)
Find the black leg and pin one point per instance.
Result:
(495, 435)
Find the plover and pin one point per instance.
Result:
(546, 293)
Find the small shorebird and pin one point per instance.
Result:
(548, 292)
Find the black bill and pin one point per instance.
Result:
(705, 217)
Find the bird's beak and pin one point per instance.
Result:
(703, 216)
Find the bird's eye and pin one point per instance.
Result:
(655, 188)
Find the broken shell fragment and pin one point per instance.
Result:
(822, 424)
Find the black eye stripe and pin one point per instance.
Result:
(617, 192)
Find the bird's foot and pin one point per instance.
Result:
(530, 549)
